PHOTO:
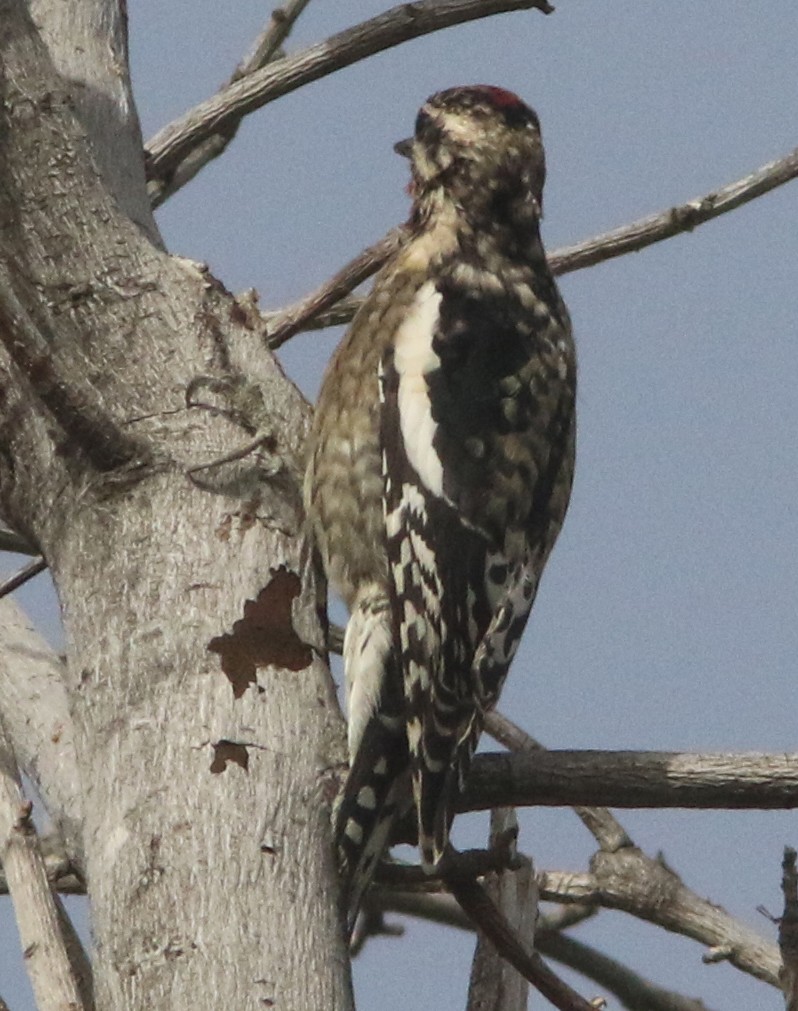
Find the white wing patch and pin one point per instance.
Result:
(414, 358)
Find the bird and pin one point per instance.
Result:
(439, 469)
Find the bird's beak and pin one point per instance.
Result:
(404, 147)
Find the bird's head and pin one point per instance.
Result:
(480, 148)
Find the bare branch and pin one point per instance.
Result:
(25, 574)
(227, 108)
(635, 992)
(599, 821)
(268, 43)
(40, 919)
(465, 865)
(283, 325)
(627, 239)
(265, 49)
(490, 921)
(683, 218)
(338, 314)
(688, 914)
(634, 883)
(58, 867)
(495, 985)
(443, 909)
(788, 931)
(634, 779)
(625, 878)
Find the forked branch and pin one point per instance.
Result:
(634, 991)
(623, 877)
(222, 113)
(266, 48)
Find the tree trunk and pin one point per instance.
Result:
(207, 734)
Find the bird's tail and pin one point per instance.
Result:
(438, 781)
(377, 777)
(376, 792)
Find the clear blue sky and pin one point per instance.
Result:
(667, 618)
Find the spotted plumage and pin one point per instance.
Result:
(440, 467)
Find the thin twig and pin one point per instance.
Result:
(272, 37)
(26, 573)
(683, 218)
(265, 50)
(283, 325)
(627, 239)
(228, 107)
(634, 991)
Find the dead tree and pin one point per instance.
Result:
(190, 746)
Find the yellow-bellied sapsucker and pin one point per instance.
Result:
(440, 467)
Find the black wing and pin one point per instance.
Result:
(477, 436)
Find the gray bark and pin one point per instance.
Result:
(87, 42)
(36, 714)
(207, 736)
(40, 917)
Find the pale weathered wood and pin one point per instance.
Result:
(36, 715)
(631, 881)
(87, 41)
(207, 736)
(39, 919)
